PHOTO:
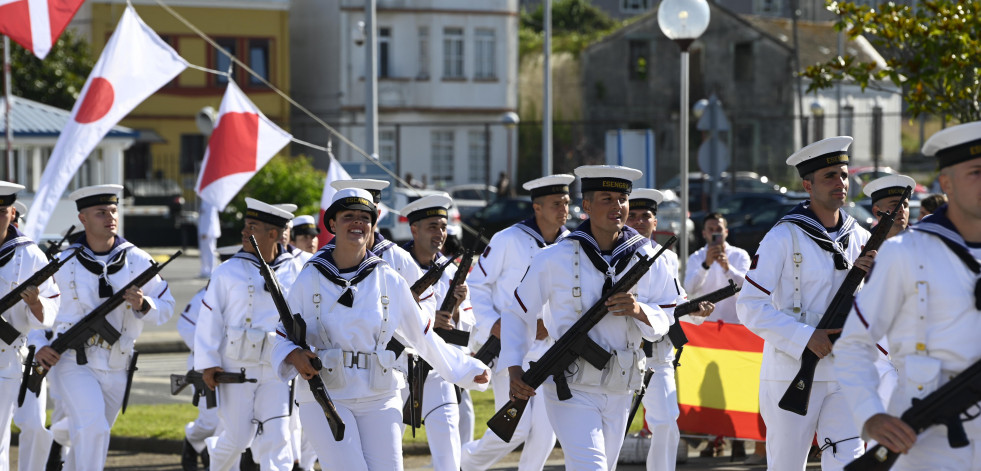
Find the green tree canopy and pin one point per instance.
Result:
(931, 51)
(569, 16)
(59, 78)
(283, 180)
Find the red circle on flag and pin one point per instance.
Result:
(97, 101)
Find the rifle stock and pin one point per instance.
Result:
(53, 248)
(489, 350)
(675, 332)
(296, 332)
(7, 332)
(941, 407)
(797, 398)
(574, 343)
(94, 323)
(196, 378)
(457, 336)
(430, 278)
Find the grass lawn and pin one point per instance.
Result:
(166, 421)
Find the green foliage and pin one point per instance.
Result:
(568, 16)
(59, 78)
(283, 180)
(931, 52)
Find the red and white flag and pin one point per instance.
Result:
(243, 141)
(134, 64)
(334, 172)
(36, 24)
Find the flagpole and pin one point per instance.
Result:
(9, 159)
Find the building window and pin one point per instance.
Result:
(484, 45)
(742, 67)
(423, 72)
(637, 62)
(384, 52)
(477, 155)
(259, 60)
(635, 6)
(847, 120)
(386, 145)
(453, 53)
(442, 152)
(222, 61)
(768, 7)
(192, 152)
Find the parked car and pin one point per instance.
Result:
(496, 216)
(153, 213)
(748, 234)
(737, 206)
(395, 226)
(746, 182)
(469, 198)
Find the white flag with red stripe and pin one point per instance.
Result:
(36, 24)
(134, 64)
(334, 172)
(243, 141)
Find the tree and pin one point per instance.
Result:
(283, 180)
(59, 78)
(569, 16)
(931, 52)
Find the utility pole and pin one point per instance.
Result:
(371, 79)
(547, 94)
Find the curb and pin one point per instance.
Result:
(174, 447)
(167, 346)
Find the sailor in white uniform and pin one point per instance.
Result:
(92, 393)
(924, 294)
(661, 399)
(304, 234)
(492, 282)
(20, 258)
(590, 425)
(885, 193)
(794, 275)
(233, 333)
(353, 303)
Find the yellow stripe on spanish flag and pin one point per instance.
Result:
(718, 381)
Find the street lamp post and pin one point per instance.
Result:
(510, 120)
(683, 21)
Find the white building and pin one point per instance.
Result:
(447, 72)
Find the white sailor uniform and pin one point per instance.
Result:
(699, 281)
(492, 282)
(19, 259)
(234, 331)
(591, 424)
(93, 393)
(789, 285)
(349, 328)
(206, 423)
(920, 295)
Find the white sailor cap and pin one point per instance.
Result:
(350, 198)
(8, 193)
(550, 185)
(20, 208)
(823, 153)
(646, 198)
(955, 144)
(96, 195)
(304, 225)
(374, 187)
(426, 207)
(267, 213)
(889, 185)
(226, 252)
(607, 178)
(288, 207)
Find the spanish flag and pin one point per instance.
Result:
(718, 381)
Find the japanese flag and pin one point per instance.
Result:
(134, 64)
(36, 24)
(243, 141)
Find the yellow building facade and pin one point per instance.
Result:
(171, 146)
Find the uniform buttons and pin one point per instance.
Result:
(248, 319)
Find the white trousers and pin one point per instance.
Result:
(204, 426)
(241, 410)
(302, 447)
(534, 430)
(441, 414)
(467, 417)
(35, 439)
(372, 436)
(92, 399)
(590, 427)
(661, 412)
(789, 436)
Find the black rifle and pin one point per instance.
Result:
(93, 324)
(574, 343)
(675, 332)
(457, 336)
(129, 379)
(196, 378)
(798, 394)
(429, 278)
(7, 332)
(415, 381)
(54, 248)
(638, 397)
(489, 350)
(296, 332)
(28, 365)
(941, 407)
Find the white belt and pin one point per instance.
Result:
(356, 359)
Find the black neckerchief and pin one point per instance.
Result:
(439, 260)
(381, 244)
(324, 263)
(803, 217)
(530, 227)
(627, 243)
(13, 240)
(116, 260)
(937, 224)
